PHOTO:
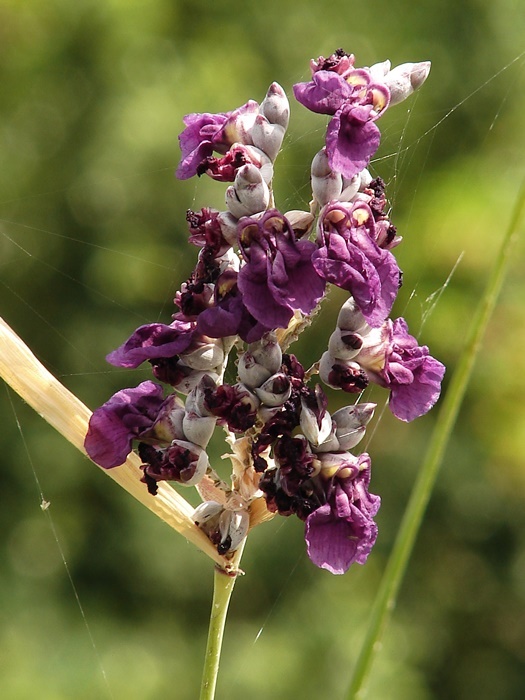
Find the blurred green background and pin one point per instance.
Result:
(93, 244)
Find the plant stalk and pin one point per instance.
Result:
(223, 583)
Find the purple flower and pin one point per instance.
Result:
(206, 133)
(225, 169)
(350, 258)
(229, 315)
(392, 358)
(326, 93)
(126, 416)
(355, 102)
(342, 531)
(352, 138)
(153, 341)
(278, 276)
(414, 376)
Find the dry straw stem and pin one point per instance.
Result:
(59, 407)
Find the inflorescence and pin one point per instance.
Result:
(259, 278)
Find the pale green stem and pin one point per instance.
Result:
(387, 593)
(223, 583)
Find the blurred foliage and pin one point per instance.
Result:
(93, 243)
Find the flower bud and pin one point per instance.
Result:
(350, 188)
(331, 444)
(250, 372)
(233, 528)
(404, 79)
(379, 70)
(198, 429)
(207, 355)
(196, 401)
(300, 221)
(206, 511)
(228, 224)
(190, 380)
(267, 352)
(327, 185)
(274, 391)
(275, 106)
(341, 374)
(351, 422)
(249, 194)
(366, 179)
(316, 431)
(350, 318)
(344, 344)
(225, 528)
(268, 137)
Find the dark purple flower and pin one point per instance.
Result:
(205, 230)
(294, 458)
(126, 416)
(348, 376)
(278, 276)
(182, 461)
(206, 133)
(302, 500)
(342, 531)
(152, 341)
(170, 370)
(233, 405)
(393, 359)
(349, 257)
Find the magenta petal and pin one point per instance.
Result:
(325, 93)
(413, 376)
(336, 543)
(351, 140)
(409, 401)
(195, 141)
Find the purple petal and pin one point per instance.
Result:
(231, 317)
(195, 141)
(154, 340)
(351, 140)
(342, 531)
(325, 93)
(414, 377)
(353, 261)
(336, 543)
(279, 276)
(113, 426)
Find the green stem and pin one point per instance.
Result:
(223, 583)
(387, 593)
